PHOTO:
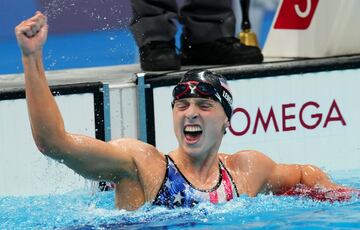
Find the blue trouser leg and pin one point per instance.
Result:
(207, 20)
(153, 20)
(203, 20)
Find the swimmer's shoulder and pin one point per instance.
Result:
(248, 166)
(244, 159)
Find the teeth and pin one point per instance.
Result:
(193, 129)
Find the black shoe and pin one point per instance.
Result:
(224, 51)
(159, 56)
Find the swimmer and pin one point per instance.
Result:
(192, 173)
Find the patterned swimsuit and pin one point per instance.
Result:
(177, 191)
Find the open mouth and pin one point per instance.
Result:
(192, 133)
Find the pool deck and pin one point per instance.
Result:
(120, 74)
(123, 74)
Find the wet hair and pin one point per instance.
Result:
(221, 94)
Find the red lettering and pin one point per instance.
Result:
(296, 14)
(243, 132)
(271, 117)
(318, 116)
(287, 117)
(339, 116)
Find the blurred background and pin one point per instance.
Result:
(90, 33)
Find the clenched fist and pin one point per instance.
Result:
(31, 34)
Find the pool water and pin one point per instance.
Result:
(79, 50)
(88, 210)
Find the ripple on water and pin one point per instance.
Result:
(82, 210)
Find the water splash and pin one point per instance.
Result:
(54, 8)
(77, 210)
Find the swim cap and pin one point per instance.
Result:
(204, 84)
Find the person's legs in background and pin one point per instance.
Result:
(154, 30)
(208, 35)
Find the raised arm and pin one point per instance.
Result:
(89, 157)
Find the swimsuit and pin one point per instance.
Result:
(177, 191)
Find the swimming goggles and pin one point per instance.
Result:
(195, 87)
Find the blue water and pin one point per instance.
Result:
(77, 50)
(84, 210)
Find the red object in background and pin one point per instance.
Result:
(296, 14)
(343, 194)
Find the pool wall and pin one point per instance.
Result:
(295, 111)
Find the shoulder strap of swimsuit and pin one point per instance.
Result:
(231, 179)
